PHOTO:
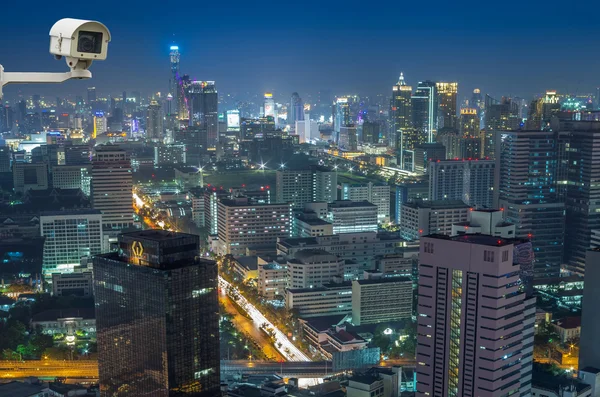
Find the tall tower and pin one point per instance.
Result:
(469, 123)
(296, 110)
(174, 89)
(402, 136)
(269, 108)
(341, 116)
(157, 317)
(424, 111)
(154, 122)
(447, 93)
(203, 102)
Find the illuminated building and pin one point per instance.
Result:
(381, 299)
(501, 116)
(212, 196)
(112, 187)
(296, 110)
(469, 123)
(352, 216)
(589, 349)
(471, 181)
(174, 80)
(371, 132)
(419, 218)
(541, 111)
(241, 224)
(203, 103)
(72, 177)
(165, 340)
(402, 136)
(325, 300)
(169, 154)
(29, 176)
(301, 268)
(154, 122)
(424, 112)
(272, 279)
(269, 106)
(100, 125)
(446, 96)
(69, 237)
(348, 138)
(526, 188)
(425, 153)
(378, 194)
(341, 116)
(478, 103)
(470, 148)
(475, 324)
(91, 95)
(451, 140)
(299, 186)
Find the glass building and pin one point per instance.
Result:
(157, 317)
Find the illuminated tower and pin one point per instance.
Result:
(269, 109)
(402, 136)
(447, 93)
(296, 110)
(203, 102)
(341, 116)
(424, 111)
(469, 123)
(174, 79)
(154, 122)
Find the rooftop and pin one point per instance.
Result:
(158, 235)
(82, 211)
(53, 315)
(436, 204)
(326, 287)
(313, 221)
(479, 239)
(351, 204)
(21, 389)
(386, 280)
(249, 262)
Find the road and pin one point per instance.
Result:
(49, 368)
(248, 327)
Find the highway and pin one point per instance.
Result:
(49, 369)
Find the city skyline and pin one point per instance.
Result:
(242, 56)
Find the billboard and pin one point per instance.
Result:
(233, 119)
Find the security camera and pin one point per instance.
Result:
(79, 41)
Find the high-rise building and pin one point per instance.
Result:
(541, 111)
(241, 224)
(69, 236)
(451, 139)
(501, 116)
(296, 110)
(419, 218)
(352, 216)
(471, 181)
(112, 187)
(424, 111)
(100, 124)
(203, 103)
(475, 325)
(91, 96)
(28, 176)
(301, 268)
(305, 185)
(269, 105)
(174, 77)
(5, 158)
(526, 188)
(425, 153)
(341, 116)
(589, 349)
(378, 194)
(447, 112)
(154, 122)
(401, 118)
(381, 300)
(72, 177)
(165, 340)
(469, 123)
(579, 143)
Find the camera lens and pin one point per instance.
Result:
(90, 42)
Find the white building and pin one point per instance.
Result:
(241, 225)
(169, 154)
(30, 176)
(70, 236)
(330, 299)
(313, 268)
(490, 222)
(311, 226)
(198, 208)
(300, 186)
(420, 218)
(378, 194)
(72, 177)
(307, 130)
(352, 216)
(112, 190)
(471, 181)
(379, 300)
(77, 284)
(272, 280)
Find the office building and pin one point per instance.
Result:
(526, 189)
(541, 111)
(310, 225)
(165, 340)
(100, 124)
(402, 136)
(307, 130)
(424, 112)
(371, 132)
(579, 143)
(69, 237)
(475, 325)
(5, 157)
(154, 122)
(241, 224)
(72, 284)
(327, 300)
(302, 185)
(203, 102)
(420, 218)
(313, 268)
(341, 117)
(589, 350)
(30, 176)
(471, 148)
(174, 88)
(490, 222)
(112, 187)
(272, 280)
(378, 194)
(352, 216)
(72, 177)
(269, 106)
(348, 138)
(451, 139)
(409, 192)
(425, 153)
(471, 181)
(170, 154)
(469, 123)
(381, 300)
(447, 110)
(211, 208)
(296, 110)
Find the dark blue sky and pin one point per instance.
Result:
(503, 47)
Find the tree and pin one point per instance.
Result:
(41, 342)
(57, 353)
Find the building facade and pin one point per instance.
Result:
(420, 218)
(381, 300)
(471, 181)
(327, 300)
(352, 216)
(378, 194)
(301, 186)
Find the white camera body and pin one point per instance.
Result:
(79, 41)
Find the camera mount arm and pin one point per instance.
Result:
(34, 77)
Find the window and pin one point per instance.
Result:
(488, 256)
(505, 256)
(428, 247)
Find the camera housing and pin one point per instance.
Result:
(80, 41)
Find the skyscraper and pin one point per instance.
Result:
(475, 325)
(526, 188)
(157, 317)
(296, 110)
(469, 123)
(341, 116)
(446, 95)
(112, 187)
(174, 88)
(91, 95)
(401, 118)
(269, 105)
(471, 181)
(203, 103)
(154, 122)
(424, 112)
(301, 185)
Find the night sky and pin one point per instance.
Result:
(503, 47)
